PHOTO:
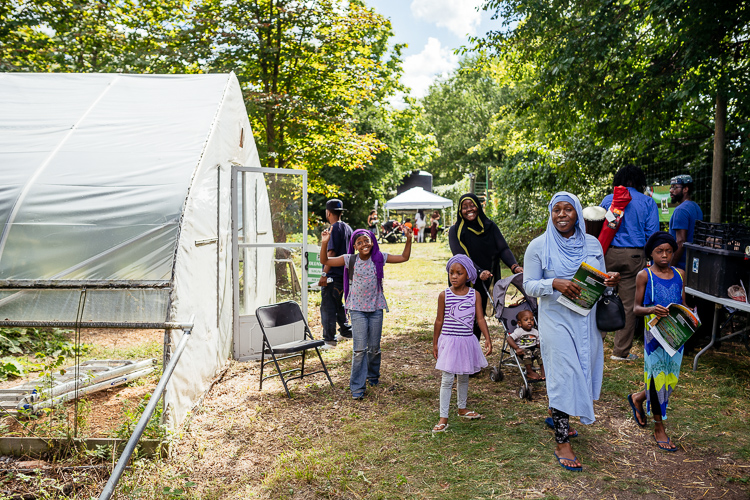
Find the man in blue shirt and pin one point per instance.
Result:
(331, 300)
(682, 223)
(625, 255)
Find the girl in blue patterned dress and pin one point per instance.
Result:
(657, 287)
(454, 345)
(363, 293)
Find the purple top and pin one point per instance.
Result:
(459, 313)
(364, 294)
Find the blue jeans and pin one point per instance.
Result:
(366, 330)
(332, 310)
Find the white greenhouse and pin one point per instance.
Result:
(117, 195)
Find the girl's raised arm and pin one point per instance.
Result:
(324, 258)
(397, 259)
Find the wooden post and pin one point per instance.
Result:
(717, 176)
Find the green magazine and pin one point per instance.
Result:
(591, 281)
(674, 330)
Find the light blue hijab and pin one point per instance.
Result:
(564, 255)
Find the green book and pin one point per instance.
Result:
(591, 281)
(674, 330)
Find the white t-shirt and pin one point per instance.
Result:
(525, 339)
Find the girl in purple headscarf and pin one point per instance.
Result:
(454, 345)
(364, 299)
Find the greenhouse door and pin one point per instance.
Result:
(269, 240)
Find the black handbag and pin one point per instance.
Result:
(610, 313)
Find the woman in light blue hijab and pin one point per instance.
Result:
(571, 344)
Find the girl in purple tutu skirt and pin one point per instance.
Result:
(454, 345)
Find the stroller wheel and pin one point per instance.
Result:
(496, 375)
(524, 393)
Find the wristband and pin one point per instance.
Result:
(324, 274)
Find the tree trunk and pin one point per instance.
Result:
(717, 177)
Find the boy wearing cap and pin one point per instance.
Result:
(331, 301)
(682, 222)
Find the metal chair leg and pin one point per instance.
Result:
(281, 375)
(262, 364)
(325, 368)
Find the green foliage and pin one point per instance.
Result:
(49, 349)
(407, 149)
(453, 191)
(305, 68)
(154, 429)
(631, 71)
(459, 111)
(91, 36)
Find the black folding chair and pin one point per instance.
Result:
(285, 318)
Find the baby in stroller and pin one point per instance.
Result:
(525, 341)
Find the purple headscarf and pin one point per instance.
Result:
(466, 262)
(375, 254)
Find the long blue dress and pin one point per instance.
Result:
(571, 344)
(658, 365)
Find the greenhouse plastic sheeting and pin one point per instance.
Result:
(125, 178)
(118, 306)
(92, 176)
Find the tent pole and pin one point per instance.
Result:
(304, 244)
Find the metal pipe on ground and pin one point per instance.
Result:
(85, 381)
(69, 396)
(109, 488)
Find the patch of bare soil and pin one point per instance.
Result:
(100, 413)
(635, 465)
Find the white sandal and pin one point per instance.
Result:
(471, 415)
(440, 428)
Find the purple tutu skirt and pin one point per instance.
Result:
(461, 355)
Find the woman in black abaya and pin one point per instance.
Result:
(477, 237)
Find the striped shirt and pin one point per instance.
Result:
(459, 313)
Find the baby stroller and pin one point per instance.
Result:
(391, 232)
(506, 315)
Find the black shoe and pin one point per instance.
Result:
(346, 335)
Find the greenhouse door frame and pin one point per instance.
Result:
(247, 321)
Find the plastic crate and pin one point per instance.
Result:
(728, 236)
(714, 270)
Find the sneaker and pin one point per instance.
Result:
(358, 398)
(328, 346)
(342, 338)
(346, 335)
(629, 357)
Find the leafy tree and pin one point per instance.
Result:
(306, 66)
(407, 149)
(93, 36)
(630, 72)
(459, 112)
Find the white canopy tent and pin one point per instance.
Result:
(417, 198)
(120, 184)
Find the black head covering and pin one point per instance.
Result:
(474, 235)
(657, 239)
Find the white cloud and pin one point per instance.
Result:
(459, 16)
(421, 69)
